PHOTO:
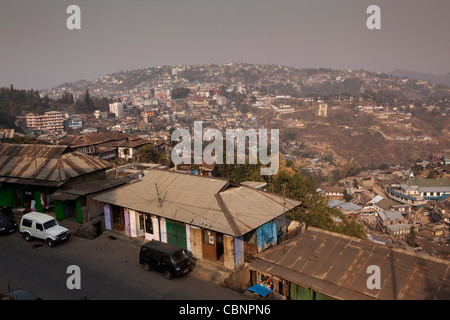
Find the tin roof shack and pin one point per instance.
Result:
(349, 209)
(29, 174)
(72, 202)
(129, 149)
(320, 265)
(210, 217)
(390, 217)
(92, 144)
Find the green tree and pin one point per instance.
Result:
(319, 217)
(351, 228)
(67, 97)
(88, 101)
(239, 172)
(180, 93)
(314, 211)
(431, 174)
(148, 154)
(347, 196)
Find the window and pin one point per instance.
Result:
(145, 252)
(117, 214)
(27, 223)
(39, 226)
(166, 259)
(209, 237)
(156, 255)
(141, 222)
(148, 224)
(179, 256)
(50, 224)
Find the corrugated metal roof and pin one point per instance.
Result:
(44, 164)
(389, 215)
(347, 206)
(75, 141)
(81, 189)
(337, 266)
(193, 199)
(251, 208)
(134, 143)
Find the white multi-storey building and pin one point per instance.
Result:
(49, 121)
(117, 109)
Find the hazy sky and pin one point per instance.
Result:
(38, 51)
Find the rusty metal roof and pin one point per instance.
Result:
(81, 189)
(74, 141)
(134, 143)
(44, 164)
(337, 266)
(211, 203)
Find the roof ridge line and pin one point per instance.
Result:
(228, 216)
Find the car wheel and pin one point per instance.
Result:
(147, 267)
(27, 236)
(168, 275)
(50, 243)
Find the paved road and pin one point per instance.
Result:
(109, 270)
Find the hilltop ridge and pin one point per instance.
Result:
(276, 79)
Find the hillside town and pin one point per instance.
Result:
(379, 161)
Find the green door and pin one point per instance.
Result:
(322, 296)
(299, 293)
(176, 233)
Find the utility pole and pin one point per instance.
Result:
(35, 161)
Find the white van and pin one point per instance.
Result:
(42, 226)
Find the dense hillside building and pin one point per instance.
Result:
(49, 121)
(117, 109)
(417, 191)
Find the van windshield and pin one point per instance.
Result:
(179, 256)
(50, 224)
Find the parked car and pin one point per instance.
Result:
(166, 258)
(7, 225)
(43, 226)
(21, 294)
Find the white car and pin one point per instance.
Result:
(42, 226)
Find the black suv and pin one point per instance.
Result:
(169, 259)
(7, 225)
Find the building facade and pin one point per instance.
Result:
(212, 218)
(117, 109)
(49, 121)
(417, 191)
